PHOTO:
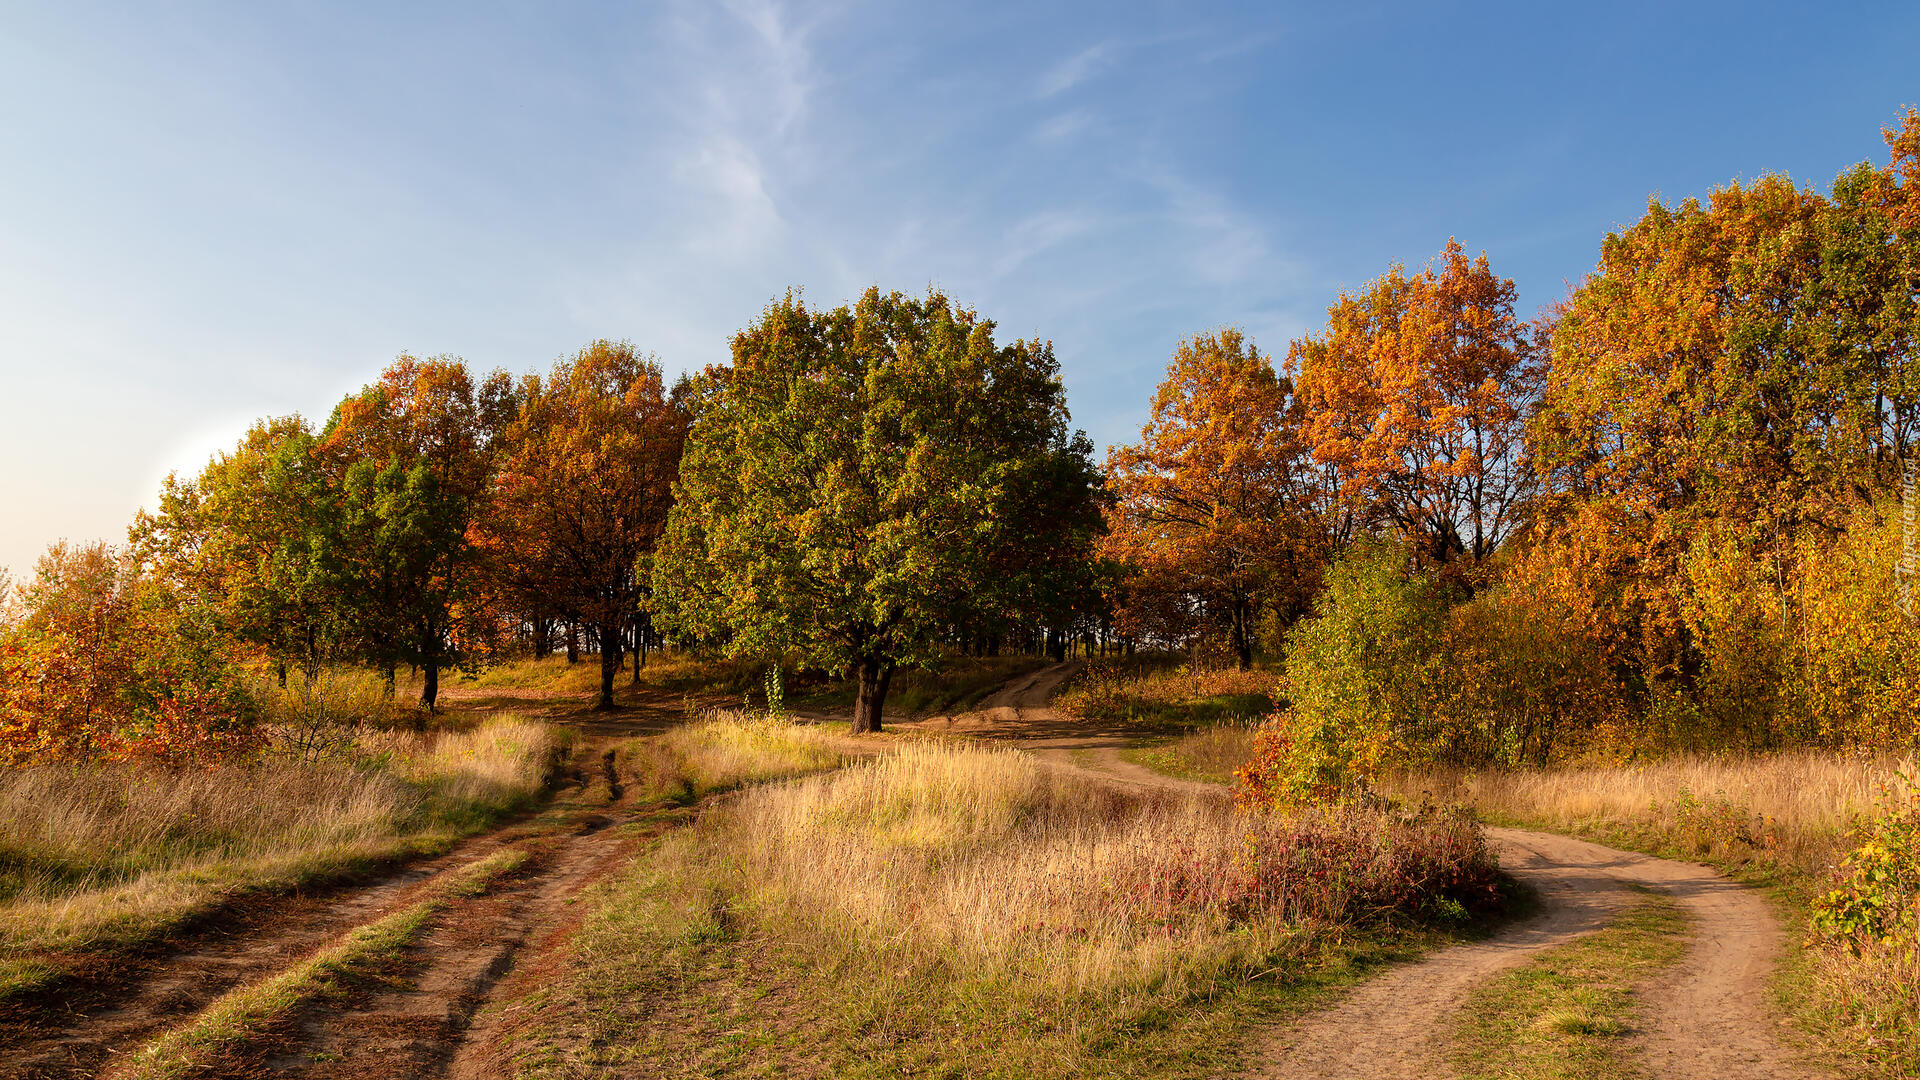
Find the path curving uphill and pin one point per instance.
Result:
(1705, 1018)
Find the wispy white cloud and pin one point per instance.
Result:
(1035, 235)
(1063, 126)
(1223, 244)
(729, 173)
(1075, 69)
(784, 60)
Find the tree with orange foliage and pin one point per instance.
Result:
(1213, 510)
(1417, 393)
(1751, 356)
(1736, 378)
(585, 479)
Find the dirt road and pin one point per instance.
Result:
(1707, 1017)
(417, 1019)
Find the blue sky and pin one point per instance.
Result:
(214, 213)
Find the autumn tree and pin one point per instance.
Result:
(407, 463)
(861, 479)
(1213, 508)
(1751, 355)
(1730, 389)
(1417, 392)
(241, 539)
(584, 481)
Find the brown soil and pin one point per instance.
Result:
(1707, 1017)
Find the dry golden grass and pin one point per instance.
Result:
(119, 851)
(942, 906)
(725, 748)
(1154, 691)
(1792, 808)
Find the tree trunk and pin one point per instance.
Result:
(280, 672)
(573, 643)
(639, 650)
(430, 686)
(870, 693)
(1243, 636)
(542, 638)
(609, 665)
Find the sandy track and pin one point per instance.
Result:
(1706, 1018)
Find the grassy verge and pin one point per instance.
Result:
(1209, 755)
(111, 854)
(726, 749)
(952, 910)
(1564, 1014)
(1159, 692)
(238, 1016)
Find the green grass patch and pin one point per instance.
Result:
(1209, 755)
(1565, 1015)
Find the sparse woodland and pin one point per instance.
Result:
(1433, 547)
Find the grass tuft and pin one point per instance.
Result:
(1565, 1013)
(725, 749)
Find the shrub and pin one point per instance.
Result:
(101, 660)
(1360, 672)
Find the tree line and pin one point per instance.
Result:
(1661, 508)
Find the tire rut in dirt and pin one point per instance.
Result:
(425, 1015)
(114, 1003)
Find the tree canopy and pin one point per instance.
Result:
(861, 479)
(1213, 506)
(584, 480)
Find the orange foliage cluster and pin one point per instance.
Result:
(1667, 517)
(96, 660)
